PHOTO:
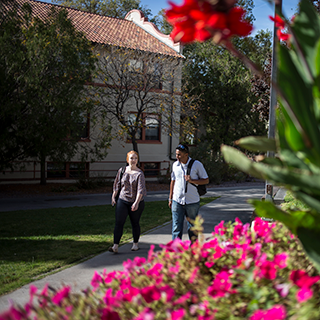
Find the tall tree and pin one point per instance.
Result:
(110, 8)
(136, 93)
(223, 87)
(44, 67)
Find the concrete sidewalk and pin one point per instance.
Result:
(231, 204)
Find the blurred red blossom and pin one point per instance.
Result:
(200, 20)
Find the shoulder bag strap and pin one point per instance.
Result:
(188, 172)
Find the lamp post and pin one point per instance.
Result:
(273, 98)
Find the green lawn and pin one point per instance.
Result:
(34, 243)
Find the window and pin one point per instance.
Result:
(72, 170)
(83, 131)
(150, 130)
(155, 73)
(56, 170)
(150, 169)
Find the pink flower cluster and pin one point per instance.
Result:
(187, 280)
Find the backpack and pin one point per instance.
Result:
(202, 190)
(123, 169)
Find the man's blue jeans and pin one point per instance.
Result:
(180, 211)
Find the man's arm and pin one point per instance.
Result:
(199, 181)
(171, 193)
(201, 172)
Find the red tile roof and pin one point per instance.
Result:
(107, 30)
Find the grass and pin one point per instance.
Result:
(291, 203)
(34, 243)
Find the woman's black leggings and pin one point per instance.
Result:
(123, 209)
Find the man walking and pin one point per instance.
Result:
(184, 199)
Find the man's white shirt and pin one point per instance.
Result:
(179, 170)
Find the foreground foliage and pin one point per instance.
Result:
(296, 145)
(236, 274)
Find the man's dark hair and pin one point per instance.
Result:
(183, 148)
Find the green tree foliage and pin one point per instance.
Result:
(110, 8)
(44, 65)
(223, 87)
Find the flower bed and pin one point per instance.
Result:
(236, 274)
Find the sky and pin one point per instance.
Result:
(261, 11)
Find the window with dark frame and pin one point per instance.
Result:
(150, 169)
(83, 131)
(151, 127)
(72, 170)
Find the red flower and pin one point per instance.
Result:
(280, 24)
(195, 20)
(278, 20)
(235, 23)
(283, 36)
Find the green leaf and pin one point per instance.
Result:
(260, 144)
(296, 89)
(310, 241)
(306, 28)
(236, 157)
(310, 199)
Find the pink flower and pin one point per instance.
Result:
(268, 270)
(194, 274)
(183, 299)
(150, 294)
(109, 277)
(238, 228)
(146, 314)
(60, 295)
(44, 296)
(177, 314)
(129, 265)
(304, 294)
(283, 289)
(12, 314)
(151, 253)
(277, 312)
(69, 309)
(109, 299)
(96, 280)
(262, 229)
(221, 285)
(220, 228)
(109, 314)
(280, 260)
(176, 245)
(155, 271)
(128, 292)
(302, 279)
(32, 290)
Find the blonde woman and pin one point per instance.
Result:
(132, 190)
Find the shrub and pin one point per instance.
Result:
(235, 274)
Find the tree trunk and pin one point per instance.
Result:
(135, 148)
(43, 179)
